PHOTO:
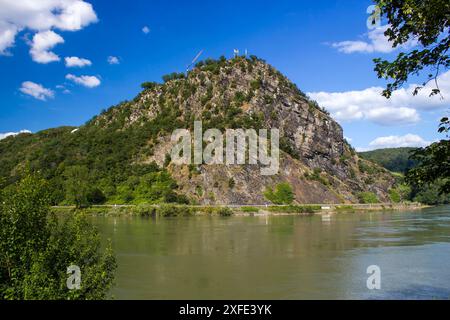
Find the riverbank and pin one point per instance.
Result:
(169, 210)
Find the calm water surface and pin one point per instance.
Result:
(284, 257)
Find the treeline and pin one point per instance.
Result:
(91, 166)
(393, 159)
(400, 161)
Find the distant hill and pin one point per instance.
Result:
(393, 159)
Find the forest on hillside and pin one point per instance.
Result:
(399, 161)
(393, 159)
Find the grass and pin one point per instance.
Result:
(214, 211)
(141, 210)
(348, 208)
(172, 210)
(294, 209)
(249, 209)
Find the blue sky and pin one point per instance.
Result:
(325, 47)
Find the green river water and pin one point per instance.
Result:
(282, 257)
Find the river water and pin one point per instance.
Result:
(282, 257)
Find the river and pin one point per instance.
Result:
(282, 257)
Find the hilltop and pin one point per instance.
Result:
(124, 151)
(393, 159)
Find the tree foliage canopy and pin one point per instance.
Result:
(424, 21)
(283, 194)
(428, 23)
(36, 248)
(434, 165)
(393, 159)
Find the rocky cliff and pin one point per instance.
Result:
(242, 92)
(315, 158)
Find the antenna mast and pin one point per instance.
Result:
(194, 60)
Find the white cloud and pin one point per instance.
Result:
(369, 104)
(77, 62)
(408, 140)
(113, 60)
(377, 42)
(7, 35)
(63, 89)
(42, 43)
(41, 16)
(146, 29)
(86, 81)
(36, 90)
(393, 116)
(8, 134)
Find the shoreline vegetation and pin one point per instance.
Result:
(171, 210)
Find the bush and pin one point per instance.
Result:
(37, 248)
(345, 208)
(143, 210)
(221, 211)
(173, 76)
(256, 84)
(167, 210)
(317, 176)
(294, 209)
(249, 209)
(149, 85)
(283, 194)
(368, 197)
(286, 146)
(394, 196)
(224, 211)
(367, 167)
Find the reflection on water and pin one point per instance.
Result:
(283, 257)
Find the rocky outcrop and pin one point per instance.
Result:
(316, 160)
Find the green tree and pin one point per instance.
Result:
(434, 166)
(444, 126)
(404, 190)
(367, 197)
(426, 21)
(173, 76)
(149, 85)
(283, 194)
(95, 196)
(77, 185)
(430, 194)
(36, 248)
(156, 187)
(124, 194)
(394, 196)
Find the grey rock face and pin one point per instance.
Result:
(316, 160)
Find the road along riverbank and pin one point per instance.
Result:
(170, 210)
